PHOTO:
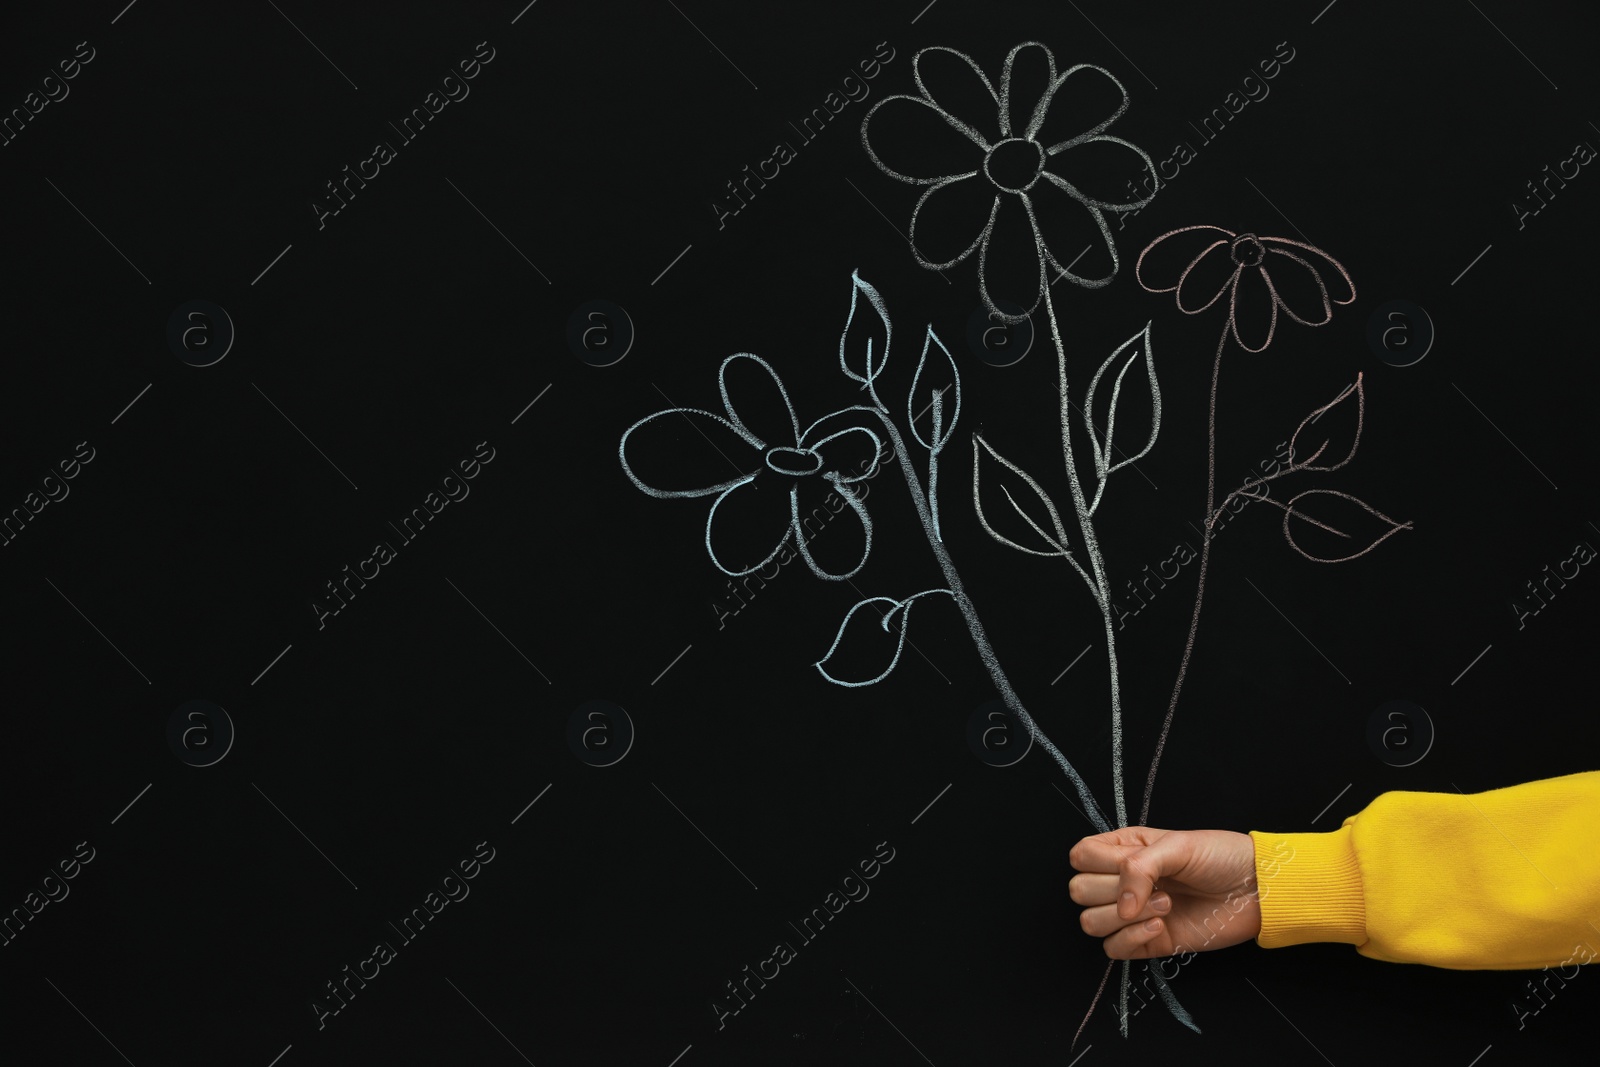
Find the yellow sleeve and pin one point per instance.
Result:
(1507, 879)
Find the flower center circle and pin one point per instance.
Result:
(1015, 164)
(1247, 251)
(795, 462)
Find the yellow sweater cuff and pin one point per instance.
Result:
(1310, 888)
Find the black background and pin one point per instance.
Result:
(428, 714)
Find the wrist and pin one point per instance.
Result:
(1309, 888)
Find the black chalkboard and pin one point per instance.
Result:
(381, 717)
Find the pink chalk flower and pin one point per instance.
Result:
(1260, 275)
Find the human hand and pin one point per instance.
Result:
(1153, 893)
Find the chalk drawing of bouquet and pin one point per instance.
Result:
(1256, 278)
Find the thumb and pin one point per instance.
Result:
(1140, 869)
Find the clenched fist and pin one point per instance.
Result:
(1152, 893)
